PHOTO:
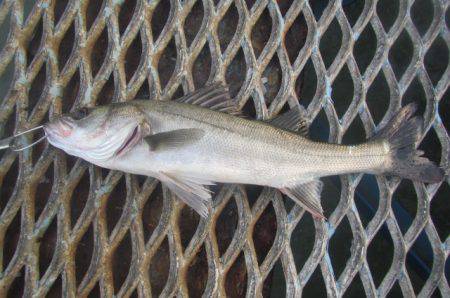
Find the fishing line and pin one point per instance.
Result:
(9, 142)
(27, 131)
(28, 146)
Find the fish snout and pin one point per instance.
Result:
(61, 127)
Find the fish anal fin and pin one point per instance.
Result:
(291, 120)
(194, 194)
(307, 195)
(214, 97)
(174, 139)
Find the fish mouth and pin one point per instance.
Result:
(57, 133)
(132, 139)
(62, 127)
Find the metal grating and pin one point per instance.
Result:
(68, 226)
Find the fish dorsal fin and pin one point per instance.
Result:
(174, 139)
(291, 120)
(307, 195)
(215, 97)
(190, 191)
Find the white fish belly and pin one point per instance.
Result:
(212, 161)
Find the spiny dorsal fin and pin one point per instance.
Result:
(174, 139)
(307, 195)
(291, 120)
(215, 97)
(189, 191)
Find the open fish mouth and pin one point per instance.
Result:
(132, 139)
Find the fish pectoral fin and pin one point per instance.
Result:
(174, 139)
(307, 195)
(215, 97)
(291, 120)
(194, 194)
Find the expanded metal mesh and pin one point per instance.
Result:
(69, 227)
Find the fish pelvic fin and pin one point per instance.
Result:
(189, 190)
(401, 135)
(307, 195)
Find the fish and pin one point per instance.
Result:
(201, 139)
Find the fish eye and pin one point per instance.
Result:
(80, 113)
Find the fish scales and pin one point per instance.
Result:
(262, 148)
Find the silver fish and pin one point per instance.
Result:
(200, 139)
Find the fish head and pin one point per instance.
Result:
(100, 133)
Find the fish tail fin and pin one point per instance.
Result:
(401, 135)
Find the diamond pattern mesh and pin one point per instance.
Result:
(68, 226)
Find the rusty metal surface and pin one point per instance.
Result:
(68, 226)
